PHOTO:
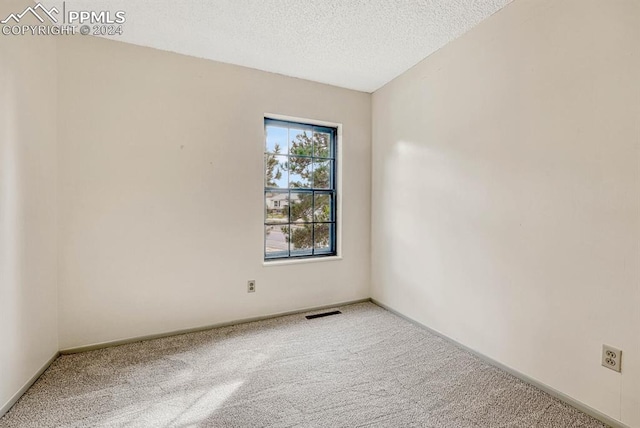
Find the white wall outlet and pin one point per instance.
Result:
(251, 286)
(611, 358)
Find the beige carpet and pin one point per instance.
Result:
(365, 367)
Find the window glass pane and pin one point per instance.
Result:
(276, 174)
(300, 142)
(322, 235)
(276, 241)
(322, 174)
(301, 207)
(300, 172)
(277, 207)
(321, 146)
(301, 239)
(323, 210)
(276, 140)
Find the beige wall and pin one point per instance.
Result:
(505, 194)
(161, 187)
(28, 229)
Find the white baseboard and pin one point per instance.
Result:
(118, 342)
(614, 423)
(5, 408)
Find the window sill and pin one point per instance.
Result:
(301, 261)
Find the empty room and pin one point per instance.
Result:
(320, 213)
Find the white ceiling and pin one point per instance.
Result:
(356, 44)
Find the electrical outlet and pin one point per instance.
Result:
(611, 358)
(251, 286)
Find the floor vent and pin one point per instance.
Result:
(325, 314)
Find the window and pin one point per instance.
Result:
(299, 190)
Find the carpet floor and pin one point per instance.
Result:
(364, 367)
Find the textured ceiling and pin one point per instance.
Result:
(357, 44)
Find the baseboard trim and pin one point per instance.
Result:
(108, 344)
(9, 404)
(608, 420)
